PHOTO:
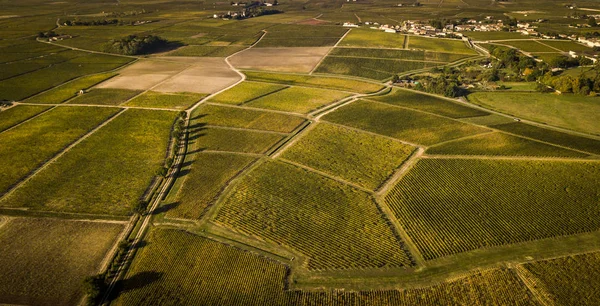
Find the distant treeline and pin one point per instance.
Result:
(134, 45)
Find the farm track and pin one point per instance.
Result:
(26, 120)
(500, 157)
(328, 52)
(106, 106)
(535, 287)
(57, 156)
(400, 172)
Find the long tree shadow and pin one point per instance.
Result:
(166, 207)
(137, 281)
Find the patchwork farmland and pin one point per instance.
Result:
(175, 153)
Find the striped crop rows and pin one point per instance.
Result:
(452, 206)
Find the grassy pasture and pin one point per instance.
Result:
(246, 91)
(18, 114)
(568, 111)
(218, 139)
(528, 46)
(373, 39)
(315, 81)
(572, 280)
(429, 104)
(494, 203)
(208, 176)
(244, 118)
(107, 173)
(371, 68)
(31, 144)
(44, 261)
(439, 45)
(23, 86)
(165, 100)
(401, 123)
(567, 45)
(349, 154)
(202, 50)
(551, 136)
(69, 90)
(298, 99)
(502, 144)
(334, 225)
(105, 96)
(179, 266)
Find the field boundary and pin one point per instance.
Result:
(328, 52)
(28, 119)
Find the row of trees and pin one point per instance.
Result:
(584, 84)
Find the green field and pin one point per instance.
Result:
(416, 55)
(572, 280)
(211, 51)
(314, 81)
(489, 120)
(26, 85)
(154, 99)
(205, 181)
(189, 269)
(569, 111)
(439, 45)
(21, 67)
(551, 136)
(69, 90)
(334, 225)
(349, 154)
(105, 96)
(401, 123)
(371, 68)
(105, 174)
(528, 46)
(28, 146)
(244, 118)
(494, 203)
(247, 141)
(500, 35)
(18, 114)
(373, 39)
(567, 45)
(245, 92)
(298, 99)
(44, 261)
(429, 104)
(502, 144)
(296, 35)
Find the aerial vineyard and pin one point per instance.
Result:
(29, 145)
(572, 280)
(551, 136)
(212, 51)
(105, 96)
(107, 173)
(371, 68)
(349, 154)
(179, 266)
(69, 90)
(497, 143)
(50, 270)
(235, 140)
(452, 206)
(154, 99)
(334, 225)
(298, 100)
(244, 118)
(18, 114)
(373, 39)
(429, 104)
(205, 181)
(245, 92)
(416, 55)
(400, 123)
(314, 81)
(295, 35)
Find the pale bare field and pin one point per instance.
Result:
(175, 74)
(280, 59)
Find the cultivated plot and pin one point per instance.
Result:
(107, 173)
(373, 39)
(44, 261)
(315, 81)
(105, 96)
(69, 90)
(245, 92)
(154, 99)
(29, 145)
(334, 225)
(502, 144)
(280, 59)
(208, 176)
(18, 114)
(244, 118)
(452, 206)
(429, 104)
(236, 140)
(298, 99)
(404, 124)
(358, 157)
(439, 45)
(297, 35)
